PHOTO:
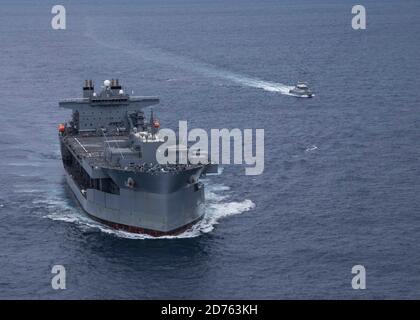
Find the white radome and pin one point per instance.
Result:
(107, 83)
(121, 91)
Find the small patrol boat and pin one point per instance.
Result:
(301, 90)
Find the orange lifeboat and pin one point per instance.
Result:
(61, 128)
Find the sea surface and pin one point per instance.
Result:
(341, 181)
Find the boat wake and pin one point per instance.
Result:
(217, 207)
(257, 83)
(166, 58)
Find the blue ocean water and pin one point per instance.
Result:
(341, 180)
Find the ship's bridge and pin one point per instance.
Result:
(108, 109)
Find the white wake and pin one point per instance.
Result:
(217, 207)
(166, 58)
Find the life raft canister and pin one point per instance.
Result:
(130, 182)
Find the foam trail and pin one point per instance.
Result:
(217, 207)
(166, 58)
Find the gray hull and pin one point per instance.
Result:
(142, 212)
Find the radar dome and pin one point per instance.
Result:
(121, 91)
(107, 83)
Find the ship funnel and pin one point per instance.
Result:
(115, 84)
(88, 88)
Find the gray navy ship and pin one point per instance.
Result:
(108, 151)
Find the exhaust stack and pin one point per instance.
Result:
(88, 89)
